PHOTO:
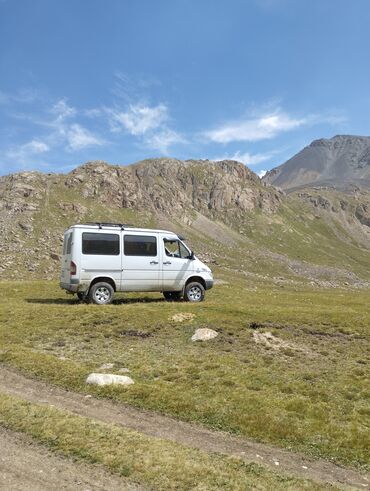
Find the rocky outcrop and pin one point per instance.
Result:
(172, 186)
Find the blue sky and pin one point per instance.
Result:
(124, 80)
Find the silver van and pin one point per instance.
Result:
(102, 258)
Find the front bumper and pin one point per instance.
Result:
(209, 284)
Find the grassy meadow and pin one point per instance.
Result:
(290, 365)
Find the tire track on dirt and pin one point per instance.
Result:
(188, 434)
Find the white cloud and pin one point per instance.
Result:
(263, 127)
(79, 137)
(249, 158)
(163, 140)
(261, 173)
(139, 118)
(149, 123)
(23, 153)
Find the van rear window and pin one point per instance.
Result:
(67, 245)
(100, 244)
(140, 245)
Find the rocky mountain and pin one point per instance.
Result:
(341, 162)
(244, 227)
(37, 207)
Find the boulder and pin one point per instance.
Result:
(108, 379)
(204, 334)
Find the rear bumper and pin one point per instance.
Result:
(209, 284)
(70, 287)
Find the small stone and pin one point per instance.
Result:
(124, 370)
(276, 462)
(108, 379)
(304, 467)
(106, 366)
(204, 334)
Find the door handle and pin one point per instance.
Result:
(167, 262)
(153, 262)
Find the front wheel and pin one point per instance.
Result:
(101, 293)
(194, 292)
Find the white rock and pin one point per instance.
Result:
(124, 370)
(108, 379)
(106, 366)
(204, 334)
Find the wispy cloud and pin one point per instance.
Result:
(28, 150)
(79, 137)
(261, 173)
(248, 158)
(60, 131)
(164, 139)
(62, 111)
(264, 127)
(24, 96)
(138, 119)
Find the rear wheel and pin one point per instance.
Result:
(81, 296)
(194, 292)
(101, 293)
(171, 296)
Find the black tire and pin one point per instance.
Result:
(194, 292)
(101, 293)
(172, 296)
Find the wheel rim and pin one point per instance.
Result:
(195, 293)
(102, 294)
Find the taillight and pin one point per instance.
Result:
(73, 269)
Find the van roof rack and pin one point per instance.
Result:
(122, 226)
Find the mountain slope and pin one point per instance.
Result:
(340, 162)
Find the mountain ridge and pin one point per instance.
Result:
(341, 162)
(232, 219)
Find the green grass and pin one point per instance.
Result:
(159, 464)
(312, 395)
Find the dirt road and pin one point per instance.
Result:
(165, 427)
(26, 466)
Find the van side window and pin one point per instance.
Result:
(175, 248)
(100, 244)
(140, 245)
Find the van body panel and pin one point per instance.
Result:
(140, 272)
(94, 265)
(66, 257)
(175, 270)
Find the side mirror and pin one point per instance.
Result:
(191, 256)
